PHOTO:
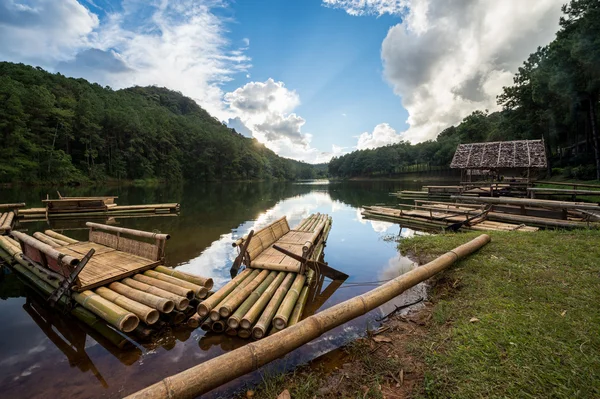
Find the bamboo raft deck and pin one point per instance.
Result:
(441, 218)
(272, 292)
(481, 189)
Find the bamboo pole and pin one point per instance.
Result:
(206, 306)
(243, 333)
(163, 305)
(277, 267)
(195, 320)
(46, 249)
(264, 322)
(214, 314)
(174, 318)
(207, 325)
(7, 225)
(61, 237)
(218, 326)
(149, 206)
(12, 206)
(132, 232)
(210, 374)
(299, 307)
(198, 280)
(180, 302)
(200, 291)
(3, 218)
(528, 201)
(175, 289)
(112, 313)
(255, 311)
(233, 302)
(145, 313)
(46, 240)
(280, 321)
(236, 318)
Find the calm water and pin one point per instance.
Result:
(49, 356)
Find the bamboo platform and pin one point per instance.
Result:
(442, 218)
(573, 193)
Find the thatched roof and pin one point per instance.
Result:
(500, 154)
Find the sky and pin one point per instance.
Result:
(310, 79)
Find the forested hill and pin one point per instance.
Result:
(64, 130)
(555, 96)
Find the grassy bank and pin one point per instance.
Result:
(520, 318)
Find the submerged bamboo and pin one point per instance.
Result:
(214, 314)
(175, 289)
(163, 305)
(231, 304)
(195, 320)
(61, 237)
(243, 333)
(256, 310)
(174, 318)
(206, 306)
(299, 308)
(198, 280)
(236, 318)
(180, 302)
(280, 321)
(218, 326)
(263, 323)
(207, 325)
(212, 373)
(200, 291)
(145, 313)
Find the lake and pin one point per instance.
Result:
(55, 357)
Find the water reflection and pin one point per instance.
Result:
(212, 217)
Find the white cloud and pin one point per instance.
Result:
(447, 59)
(383, 134)
(46, 31)
(266, 108)
(368, 7)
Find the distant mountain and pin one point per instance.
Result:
(59, 129)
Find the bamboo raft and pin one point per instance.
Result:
(423, 217)
(481, 189)
(70, 207)
(271, 293)
(8, 213)
(111, 278)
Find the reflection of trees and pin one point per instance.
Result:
(369, 192)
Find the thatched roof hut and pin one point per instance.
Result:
(519, 154)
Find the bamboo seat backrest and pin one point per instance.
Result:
(267, 236)
(115, 239)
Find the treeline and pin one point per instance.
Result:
(555, 96)
(63, 130)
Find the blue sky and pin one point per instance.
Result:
(310, 79)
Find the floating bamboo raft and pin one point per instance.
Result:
(111, 277)
(8, 213)
(482, 189)
(271, 293)
(428, 218)
(70, 207)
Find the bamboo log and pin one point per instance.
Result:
(56, 240)
(8, 247)
(210, 374)
(180, 302)
(256, 310)
(236, 318)
(232, 332)
(277, 267)
(206, 306)
(243, 333)
(533, 220)
(207, 325)
(149, 206)
(3, 217)
(46, 249)
(46, 240)
(198, 280)
(233, 302)
(175, 289)
(214, 314)
(195, 320)
(147, 314)
(12, 206)
(528, 201)
(299, 307)
(132, 232)
(218, 326)
(264, 322)
(200, 291)
(7, 225)
(163, 305)
(174, 318)
(61, 237)
(112, 313)
(280, 321)
(47, 285)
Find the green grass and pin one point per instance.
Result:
(536, 296)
